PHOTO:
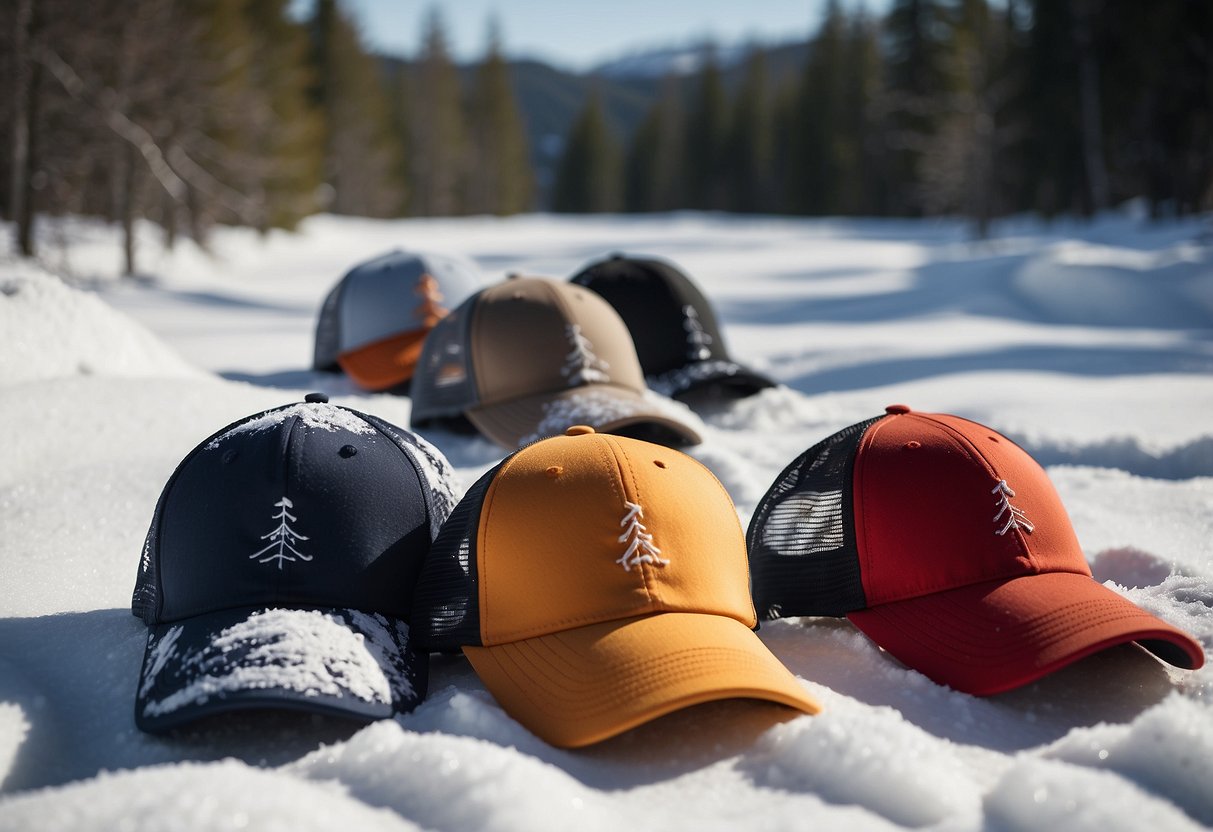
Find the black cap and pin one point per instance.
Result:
(279, 569)
(678, 340)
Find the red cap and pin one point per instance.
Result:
(970, 569)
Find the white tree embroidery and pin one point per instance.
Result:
(581, 366)
(1016, 519)
(282, 539)
(697, 338)
(640, 542)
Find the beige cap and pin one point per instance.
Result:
(529, 357)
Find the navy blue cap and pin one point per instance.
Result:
(280, 565)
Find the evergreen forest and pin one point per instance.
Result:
(189, 114)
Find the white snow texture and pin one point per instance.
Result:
(1090, 345)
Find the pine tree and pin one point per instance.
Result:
(282, 540)
(865, 191)
(916, 83)
(360, 159)
(821, 158)
(654, 172)
(438, 141)
(750, 157)
(587, 178)
(286, 132)
(641, 548)
(956, 169)
(706, 136)
(501, 180)
(581, 365)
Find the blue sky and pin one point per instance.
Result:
(576, 34)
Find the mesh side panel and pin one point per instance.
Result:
(446, 603)
(801, 539)
(441, 485)
(444, 383)
(145, 601)
(328, 333)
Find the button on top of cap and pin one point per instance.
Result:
(579, 430)
(316, 398)
(897, 408)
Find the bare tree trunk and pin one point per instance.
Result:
(19, 185)
(1092, 123)
(127, 209)
(25, 219)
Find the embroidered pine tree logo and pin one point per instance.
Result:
(1015, 517)
(697, 338)
(581, 366)
(430, 310)
(282, 539)
(640, 542)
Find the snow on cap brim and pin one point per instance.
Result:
(340, 662)
(728, 377)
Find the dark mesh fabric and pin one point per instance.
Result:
(801, 540)
(328, 333)
(145, 601)
(444, 383)
(446, 603)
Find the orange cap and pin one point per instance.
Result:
(385, 363)
(596, 582)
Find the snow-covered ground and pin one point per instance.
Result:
(1091, 345)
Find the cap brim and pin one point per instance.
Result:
(383, 364)
(995, 636)
(727, 379)
(585, 685)
(340, 662)
(604, 407)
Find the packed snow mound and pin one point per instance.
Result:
(1099, 285)
(227, 795)
(52, 330)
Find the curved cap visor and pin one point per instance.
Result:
(340, 662)
(385, 363)
(580, 686)
(605, 407)
(995, 636)
(727, 377)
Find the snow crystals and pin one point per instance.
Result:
(316, 416)
(341, 653)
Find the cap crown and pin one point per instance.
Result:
(521, 337)
(943, 502)
(577, 530)
(670, 320)
(394, 293)
(901, 506)
(306, 505)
